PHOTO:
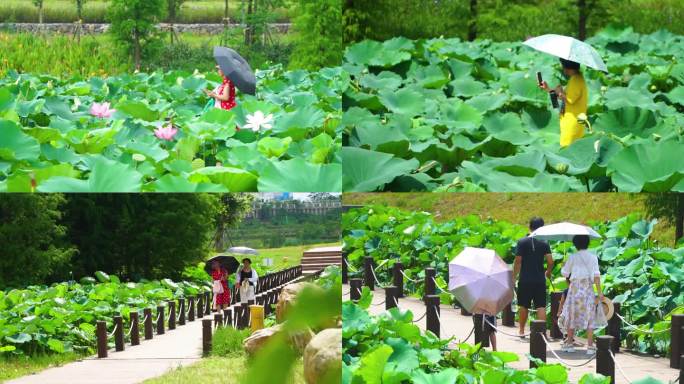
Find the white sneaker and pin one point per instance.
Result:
(591, 351)
(568, 348)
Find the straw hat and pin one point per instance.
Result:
(608, 308)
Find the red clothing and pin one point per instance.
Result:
(221, 298)
(230, 103)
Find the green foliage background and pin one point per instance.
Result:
(318, 29)
(502, 20)
(54, 237)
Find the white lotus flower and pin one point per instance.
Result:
(139, 157)
(77, 103)
(597, 144)
(258, 120)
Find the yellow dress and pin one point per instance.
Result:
(576, 95)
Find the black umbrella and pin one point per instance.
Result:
(236, 69)
(228, 262)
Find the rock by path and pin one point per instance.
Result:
(453, 324)
(152, 358)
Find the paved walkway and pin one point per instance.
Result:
(152, 358)
(453, 324)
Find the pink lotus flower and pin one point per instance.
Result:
(166, 132)
(101, 110)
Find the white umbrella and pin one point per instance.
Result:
(563, 232)
(481, 281)
(242, 250)
(568, 48)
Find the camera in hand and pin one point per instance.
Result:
(554, 98)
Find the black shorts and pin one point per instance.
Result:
(532, 292)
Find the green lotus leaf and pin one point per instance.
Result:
(624, 97)
(15, 144)
(366, 171)
(274, 146)
(373, 53)
(626, 120)
(405, 101)
(466, 86)
(676, 95)
(507, 127)
(485, 103)
(383, 80)
(522, 164)
(137, 109)
(235, 179)
(647, 166)
(105, 176)
(174, 183)
(297, 175)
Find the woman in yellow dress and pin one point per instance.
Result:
(573, 102)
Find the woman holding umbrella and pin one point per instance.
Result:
(224, 94)
(574, 97)
(221, 291)
(573, 102)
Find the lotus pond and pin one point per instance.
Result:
(59, 134)
(447, 115)
(645, 277)
(60, 318)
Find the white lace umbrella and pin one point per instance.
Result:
(242, 251)
(568, 48)
(563, 232)
(481, 281)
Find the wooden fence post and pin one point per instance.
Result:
(614, 326)
(398, 278)
(555, 304)
(206, 336)
(507, 316)
(432, 315)
(354, 289)
(537, 345)
(118, 333)
(135, 328)
(429, 283)
(345, 269)
(101, 332)
(368, 272)
(207, 303)
(676, 336)
(200, 306)
(191, 308)
(604, 362)
(218, 319)
(227, 317)
(160, 320)
(181, 308)
(244, 315)
(172, 314)
(391, 297)
(147, 312)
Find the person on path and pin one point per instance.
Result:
(220, 288)
(529, 267)
(488, 326)
(573, 99)
(579, 308)
(224, 94)
(246, 281)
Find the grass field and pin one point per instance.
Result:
(518, 207)
(219, 370)
(25, 365)
(94, 11)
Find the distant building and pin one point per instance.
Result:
(262, 209)
(274, 196)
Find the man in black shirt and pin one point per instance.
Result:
(529, 263)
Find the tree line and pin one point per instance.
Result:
(503, 20)
(56, 237)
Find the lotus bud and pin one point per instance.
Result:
(139, 157)
(179, 80)
(527, 75)
(562, 168)
(197, 164)
(654, 88)
(604, 89)
(597, 145)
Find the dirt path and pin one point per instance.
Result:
(453, 324)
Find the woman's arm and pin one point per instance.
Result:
(223, 95)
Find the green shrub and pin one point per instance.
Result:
(228, 340)
(318, 31)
